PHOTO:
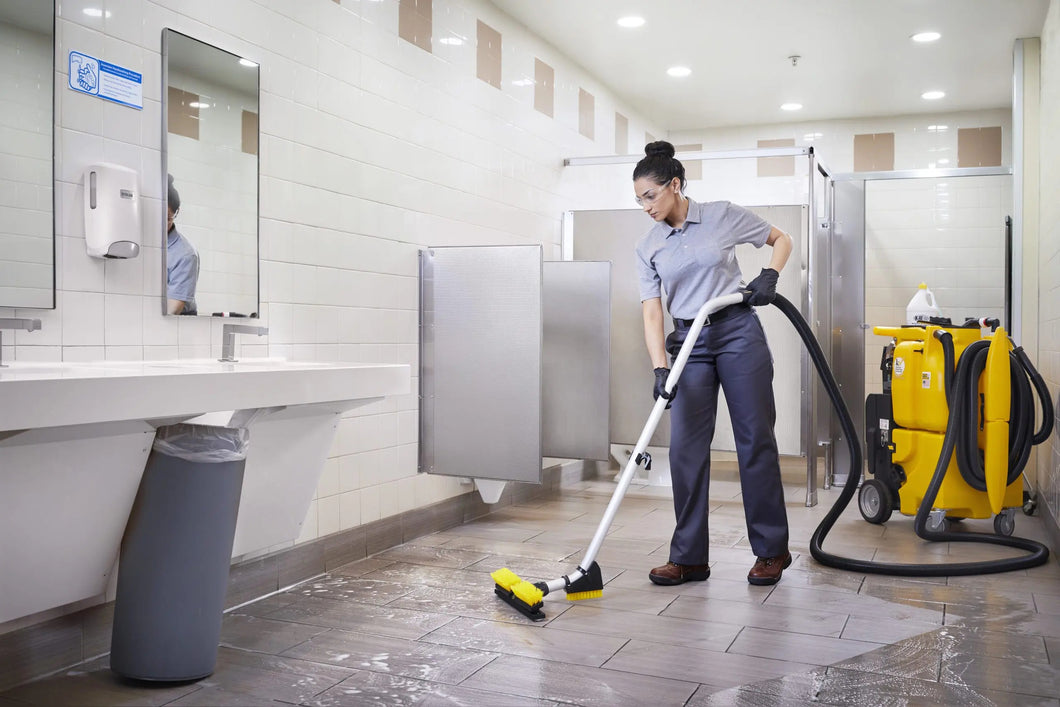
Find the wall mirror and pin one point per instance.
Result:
(27, 97)
(210, 173)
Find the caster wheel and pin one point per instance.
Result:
(1030, 504)
(1004, 524)
(937, 522)
(874, 502)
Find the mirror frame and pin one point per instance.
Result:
(167, 32)
(53, 174)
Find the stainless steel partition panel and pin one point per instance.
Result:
(848, 312)
(480, 362)
(576, 366)
(612, 235)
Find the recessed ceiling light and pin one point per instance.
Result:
(95, 12)
(791, 106)
(812, 136)
(925, 36)
(631, 21)
(248, 63)
(679, 71)
(944, 161)
(452, 40)
(198, 104)
(523, 82)
(938, 128)
(933, 95)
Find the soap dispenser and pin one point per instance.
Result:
(113, 228)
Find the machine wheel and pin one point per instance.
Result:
(1004, 523)
(937, 521)
(1030, 503)
(874, 502)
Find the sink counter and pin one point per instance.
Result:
(41, 395)
(75, 438)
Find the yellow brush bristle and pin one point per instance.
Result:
(528, 593)
(577, 596)
(505, 578)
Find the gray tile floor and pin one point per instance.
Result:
(418, 624)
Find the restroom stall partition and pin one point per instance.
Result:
(800, 204)
(514, 362)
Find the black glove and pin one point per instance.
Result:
(661, 374)
(763, 288)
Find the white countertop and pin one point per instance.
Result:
(37, 395)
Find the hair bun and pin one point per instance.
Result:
(659, 147)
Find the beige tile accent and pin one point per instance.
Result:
(415, 19)
(979, 147)
(874, 152)
(621, 134)
(183, 119)
(489, 55)
(586, 114)
(250, 132)
(693, 168)
(776, 166)
(544, 88)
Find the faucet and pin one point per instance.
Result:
(228, 338)
(9, 323)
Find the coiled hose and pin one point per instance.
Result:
(1038, 554)
(1021, 415)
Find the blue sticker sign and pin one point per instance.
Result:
(110, 81)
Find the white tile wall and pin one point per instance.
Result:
(920, 141)
(370, 148)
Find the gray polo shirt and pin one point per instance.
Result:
(697, 262)
(182, 270)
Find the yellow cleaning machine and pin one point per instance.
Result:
(906, 424)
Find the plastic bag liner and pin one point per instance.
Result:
(208, 444)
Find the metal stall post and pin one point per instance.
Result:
(809, 383)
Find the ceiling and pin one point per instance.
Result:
(856, 56)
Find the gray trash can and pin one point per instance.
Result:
(175, 555)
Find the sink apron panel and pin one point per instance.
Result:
(65, 496)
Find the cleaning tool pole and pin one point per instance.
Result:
(626, 476)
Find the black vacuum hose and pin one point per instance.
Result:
(1021, 415)
(1038, 553)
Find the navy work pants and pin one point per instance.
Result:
(733, 354)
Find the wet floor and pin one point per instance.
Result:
(418, 624)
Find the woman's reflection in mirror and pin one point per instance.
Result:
(182, 262)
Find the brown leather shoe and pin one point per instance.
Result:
(673, 573)
(767, 570)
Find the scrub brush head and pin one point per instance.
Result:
(505, 578)
(528, 593)
(521, 595)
